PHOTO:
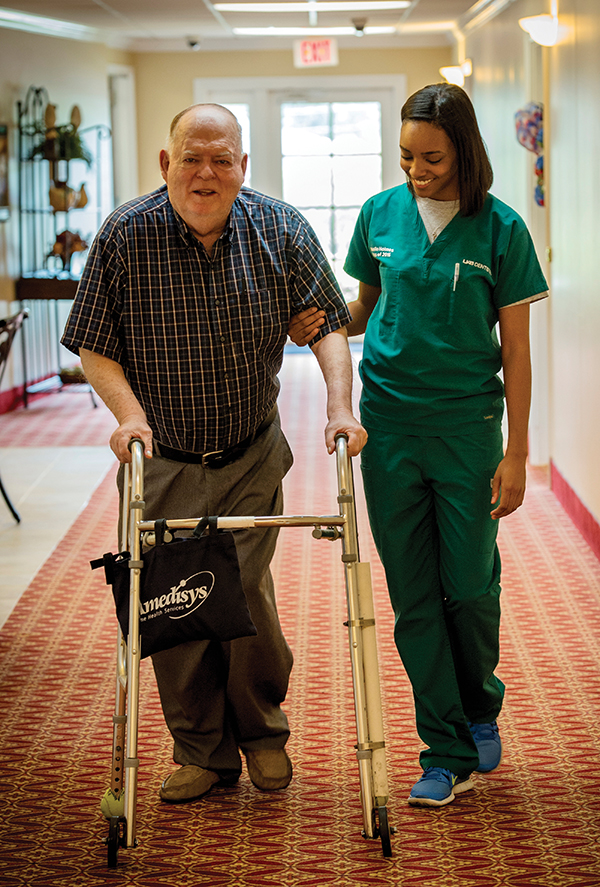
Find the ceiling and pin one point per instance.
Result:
(188, 25)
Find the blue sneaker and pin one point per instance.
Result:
(489, 746)
(438, 786)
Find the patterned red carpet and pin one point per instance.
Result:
(64, 419)
(536, 821)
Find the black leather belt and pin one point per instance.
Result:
(216, 458)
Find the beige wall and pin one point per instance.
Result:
(575, 221)
(501, 83)
(507, 74)
(165, 83)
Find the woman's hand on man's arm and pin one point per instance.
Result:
(305, 325)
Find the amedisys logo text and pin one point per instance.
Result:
(181, 600)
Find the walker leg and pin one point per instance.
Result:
(117, 837)
(370, 748)
(131, 762)
(119, 802)
(119, 720)
(383, 831)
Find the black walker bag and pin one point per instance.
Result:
(190, 589)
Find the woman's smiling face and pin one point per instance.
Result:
(428, 158)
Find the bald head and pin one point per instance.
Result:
(205, 113)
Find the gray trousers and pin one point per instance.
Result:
(219, 697)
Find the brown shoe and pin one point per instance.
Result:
(187, 784)
(270, 769)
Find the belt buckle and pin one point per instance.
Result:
(206, 457)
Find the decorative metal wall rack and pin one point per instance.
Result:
(60, 197)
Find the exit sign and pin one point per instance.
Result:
(315, 53)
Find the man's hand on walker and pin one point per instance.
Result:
(127, 430)
(345, 423)
(304, 326)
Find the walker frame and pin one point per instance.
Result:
(370, 746)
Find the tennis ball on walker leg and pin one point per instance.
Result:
(112, 804)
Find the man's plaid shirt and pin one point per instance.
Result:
(201, 339)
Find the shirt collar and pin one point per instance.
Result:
(190, 239)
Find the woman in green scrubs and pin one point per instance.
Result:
(441, 263)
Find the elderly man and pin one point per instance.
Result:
(180, 319)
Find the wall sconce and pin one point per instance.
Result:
(456, 73)
(543, 29)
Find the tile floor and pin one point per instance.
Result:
(48, 486)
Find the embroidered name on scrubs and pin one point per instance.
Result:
(477, 265)
(381, 252)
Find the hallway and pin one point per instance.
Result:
(533, 823)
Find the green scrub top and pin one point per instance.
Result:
(431, 355)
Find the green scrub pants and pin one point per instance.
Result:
(429, 507)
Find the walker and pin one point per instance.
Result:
(370, 747)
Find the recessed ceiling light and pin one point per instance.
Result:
(309, 32)
(316, 5)
(39, 24)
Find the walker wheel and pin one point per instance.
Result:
(117, 837)
(383, 830)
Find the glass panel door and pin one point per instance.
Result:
(331, 162)
(242, 112)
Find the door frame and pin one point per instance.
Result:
(123, 116)
(264, 94)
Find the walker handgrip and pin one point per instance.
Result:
(344, 465)
(133, 441)
(341, 447)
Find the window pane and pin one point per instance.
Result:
(305, 128)
(356, 127)
(355, 179)
(320, 219)
(307, 181)
(242, 112)
(344, 222)
(348, 284)
(331, 163)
